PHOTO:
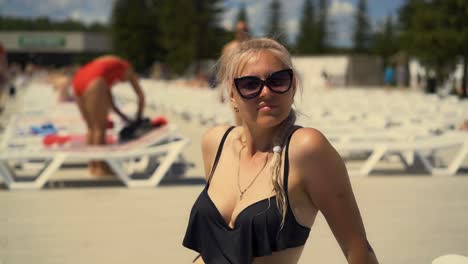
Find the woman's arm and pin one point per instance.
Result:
(115, 108)
(139, 92)
(326, 182)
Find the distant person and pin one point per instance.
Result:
(92, 85)
(201, 80)
(463, 125)
(241, 35)
(4, 78)
(325, 78)
(400, 75)
(61, 83)
(431, 82)
(389, 76)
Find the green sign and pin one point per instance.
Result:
(41, 41)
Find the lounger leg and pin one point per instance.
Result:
(427, 165)
(118, 168)
(168, 160)
(6, 173)
(372, 160)
(53, 166)
(41, 178)
(453, 167)
(171, 155)
(408, 157)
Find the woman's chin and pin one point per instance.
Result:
(268, 121)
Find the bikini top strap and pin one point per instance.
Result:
(218, 154)
(286, 163)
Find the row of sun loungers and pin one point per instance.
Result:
(373, 124)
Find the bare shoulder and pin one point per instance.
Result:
(308, 142)
(230, 46)
(212, 136)
(210, 142)
(314, 156)
(108, 56)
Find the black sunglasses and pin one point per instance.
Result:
(251, 86)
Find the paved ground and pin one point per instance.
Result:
(410, 218)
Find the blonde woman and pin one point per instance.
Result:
(267, 179)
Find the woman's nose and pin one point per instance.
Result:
(265, 90)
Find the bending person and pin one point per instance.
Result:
(92, 85)
(267, 178)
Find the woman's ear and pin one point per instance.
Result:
(294, 86)
(232, 98)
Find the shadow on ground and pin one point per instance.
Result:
(175, 176)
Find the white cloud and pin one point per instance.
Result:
(341, 8)
(76, 15)
(87, 17)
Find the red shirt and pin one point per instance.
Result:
(110, 69)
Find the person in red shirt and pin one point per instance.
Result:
(92, 85)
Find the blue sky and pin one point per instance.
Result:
(340, 12)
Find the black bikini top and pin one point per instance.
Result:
(257, 229)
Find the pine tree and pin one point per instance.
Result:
(362, 29)
(242, 15)
(306, 42)
(386, 41)
(436, 32)
(135, 35)
(322, 26)
(178, 35)
(193, 36)
(274, 29)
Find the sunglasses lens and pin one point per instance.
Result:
(248, 86)
(280, 81)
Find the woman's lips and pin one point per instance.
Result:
(266, 107)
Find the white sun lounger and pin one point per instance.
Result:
(417, 146)
(458, 139)
(162, 144)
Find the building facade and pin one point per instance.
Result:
(53, 48)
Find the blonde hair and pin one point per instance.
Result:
(229, 67)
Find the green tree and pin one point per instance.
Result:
(46, 24)
(386, 41)
(306, 42)
(436, 32)
(362, 28)
(274, 22)
(322, 26)
(242, 14)
(135, 32)
(209, 41)
(193, 37)
(178, 35)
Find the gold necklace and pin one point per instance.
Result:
(238, 177)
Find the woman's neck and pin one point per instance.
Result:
(258, 140)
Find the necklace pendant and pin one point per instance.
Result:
(241, 195)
